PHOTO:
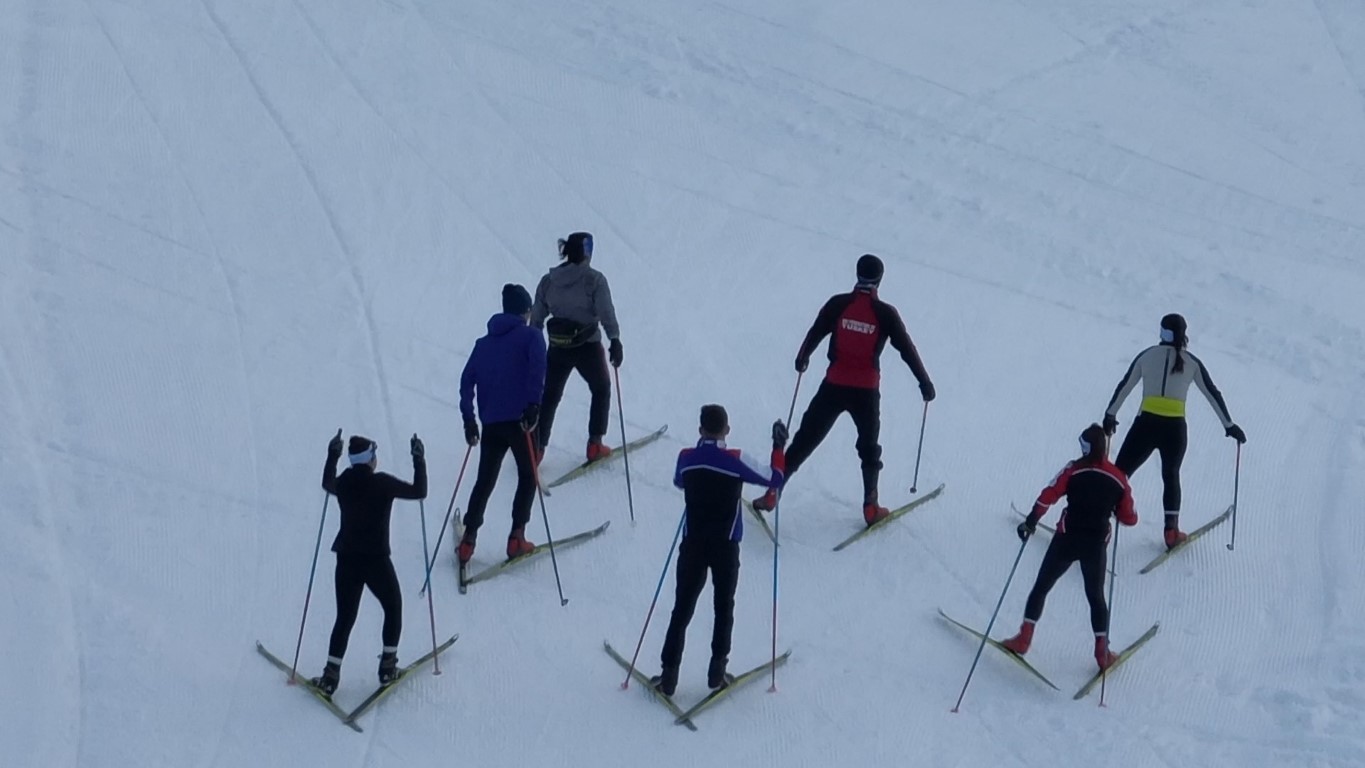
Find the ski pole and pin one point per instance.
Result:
(432, 560)
(914, 484)
(431, 609)
(662, 575)
(990, 625)
(625, 454)
(1114, 564)
(777, 549)
(550, 542)
(312, 571)
(792, 410)
(1236, 481)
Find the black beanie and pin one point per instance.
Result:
(515, 299)
(870, 269)
(1173, 330)
(577, 248)
(714, 419)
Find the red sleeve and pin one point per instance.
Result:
(1052, 494)
(1126, 514)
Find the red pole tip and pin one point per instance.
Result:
(772, 689)
(625, 686)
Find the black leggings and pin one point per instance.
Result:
(831, 401)
(1066, 548)
(497, 439)
(590, 360)
(694, 560)
(1168, 436)
(354, 573)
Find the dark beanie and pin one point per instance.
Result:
(1173, 330)
(577, 247)
(515, 299)
(714, 419)
(358, 444)
(1094, 442)
(870, 269)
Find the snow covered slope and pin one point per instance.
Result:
(228, 228)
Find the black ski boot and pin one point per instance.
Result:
(716, 676)
(388, 667)
(666, 682)
(329, 680)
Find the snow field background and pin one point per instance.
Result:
(230, 228)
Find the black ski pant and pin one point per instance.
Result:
(831, 401)
(354, 573)
(1090, 548)
(498, 438)
(1168, 435)
(590, 360)
(695, 558)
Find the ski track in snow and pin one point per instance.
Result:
(236, 223)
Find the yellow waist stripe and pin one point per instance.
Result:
(1163, 406)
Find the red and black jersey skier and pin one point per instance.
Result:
(1094, 489)
(711, 477)
(366, 497)
(859, 325)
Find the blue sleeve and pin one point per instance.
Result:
(752, 472)
(678, 470)
(467, 387)
(535, 348)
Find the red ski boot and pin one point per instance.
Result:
(1175, 537)
(1103, 656)
(1020, 643)
(767, 502)
(596, 450)
(873, 514)
(466, 550)
(517, 545)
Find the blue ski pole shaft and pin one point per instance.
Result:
(426, 584)
(1114, 568)
(308, 596)
(625, 452)
(990, 625)
(431, 608)
(662, 575)
(777, 550)
(550, 541)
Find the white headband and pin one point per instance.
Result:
(1085, 446)
(364, 457)
(1168, 335)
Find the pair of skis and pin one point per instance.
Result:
(1090, 684)
(1164, 556)
(589, 466)
(896, 514)
(684, 716)
(349, 718)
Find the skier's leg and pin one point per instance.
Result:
(816, 422)
(492, 448)
(559, 363)
(1174, 439)
(1094, 566)
(691, 575)
(592, 366)
(383, 583)
(724, 581)
(350, 585)
(865, 406)
(526, 477)
(1138, 444)
(1056, 561)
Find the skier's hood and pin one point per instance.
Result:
(568, 276)
(502, 324)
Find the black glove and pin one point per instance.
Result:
(1111, 424)
(1027, 528)
(802, 363)
(530, 416)
(779, 435)
(471, 432)
(334, 446)
(926, 389)
(1235, 432)
(419, 451)
(614, 353)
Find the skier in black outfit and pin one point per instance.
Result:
(712, 477)
(362, 547)
(859, 325)
(1094, 490)
(1166, 371)
(577, 302)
